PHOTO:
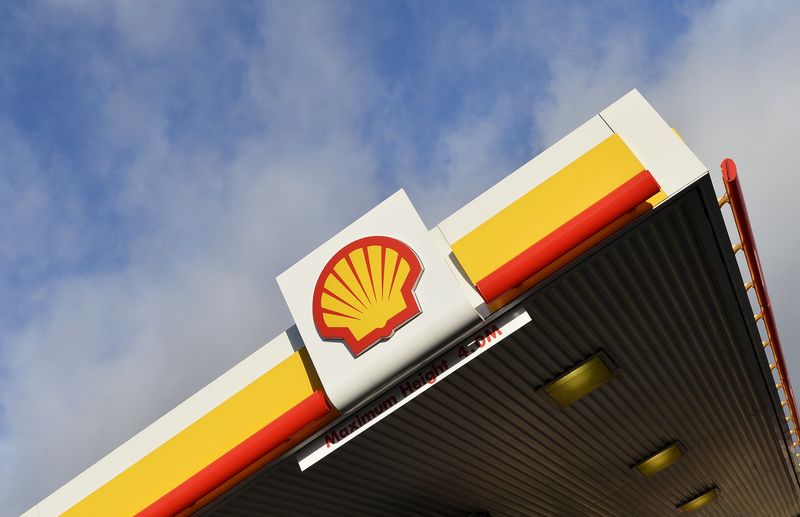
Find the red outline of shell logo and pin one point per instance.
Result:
(366, 292)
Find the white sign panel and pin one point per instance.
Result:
(410, 387)
(375, 300)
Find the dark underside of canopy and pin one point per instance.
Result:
(664, 301)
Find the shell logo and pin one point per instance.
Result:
(366, 292)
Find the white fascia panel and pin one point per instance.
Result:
(654, 142)
(524, 179)
(169, 425)
(445, 309)
(470, 292)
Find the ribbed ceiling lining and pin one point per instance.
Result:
(664, 302)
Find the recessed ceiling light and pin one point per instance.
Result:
(579, 381)
(660, 460)
(699, 501)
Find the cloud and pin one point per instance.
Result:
(728, 84)
(213, 148)
(208, 221)
(737, 96)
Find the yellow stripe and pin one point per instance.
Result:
(202, 442)
(542, 210)
(390, 261)
(375, 266)
(658, 198)
(360, 265)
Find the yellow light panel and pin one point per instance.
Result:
(579, 381)
(662, 459)
(699, 501)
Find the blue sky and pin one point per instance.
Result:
(422, 69)
(162, 162)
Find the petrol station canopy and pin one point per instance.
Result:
(580, 339)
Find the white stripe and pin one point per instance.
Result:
(524, 179)
(453, 359)
(166, 427)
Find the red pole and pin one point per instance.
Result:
(739, 208)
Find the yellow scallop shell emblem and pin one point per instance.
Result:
(366, 292)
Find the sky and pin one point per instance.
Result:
(161, 162)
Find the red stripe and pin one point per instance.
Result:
(240, 457)
(611, 207)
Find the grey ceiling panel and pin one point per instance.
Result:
(664, 301)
